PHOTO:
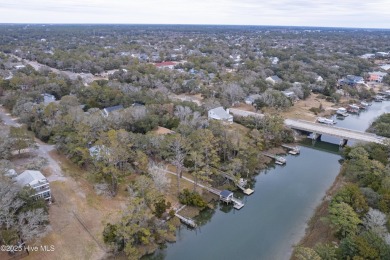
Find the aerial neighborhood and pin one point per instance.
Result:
(115, 137)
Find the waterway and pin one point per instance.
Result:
(275, 216)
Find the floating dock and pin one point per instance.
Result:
(292, 149)
(240, 184)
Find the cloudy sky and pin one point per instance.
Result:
(339, 13)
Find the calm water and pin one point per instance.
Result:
(275, 216)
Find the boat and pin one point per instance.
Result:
(327, 121)
(365, 104)
(353, 109)
(379, 98)
(342, 111)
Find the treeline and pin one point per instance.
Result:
(359, 211)
(381, 125)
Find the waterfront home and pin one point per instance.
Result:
(36, 181)
(351, 80)
(108, 110)
(165, 65)
(376, 76)
(221, 114)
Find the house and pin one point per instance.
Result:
(274, 60)
(382, 54)
(36, 181)
(376, 76)
(219, 113)
(108, 110)
(98, 151)
(18, 67)
(385, 67)
(226, 195)
(290, 94)
(351, 80)
(368, 56)
(165, 65)
(48, 98)
(274, 80)
(251, 99)
(319, 79)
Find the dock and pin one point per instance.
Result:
(188, 221)
(292, 149)
(240, 184)
(278, 159)
(237, 204)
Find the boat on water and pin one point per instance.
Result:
(326, 121)
(353, 109)
(342, 111)
(379, 98)
(365, 104)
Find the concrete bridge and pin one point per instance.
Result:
(342, 133)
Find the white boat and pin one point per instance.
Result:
(365, 104)
(327, 121)
(342, 111)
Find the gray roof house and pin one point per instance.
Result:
(48, 98)
(274, 79)
(219, 113)
(108, 110)
(36, 181)
(251, 98)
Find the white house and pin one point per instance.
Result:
(273, 80)
(36, 181)
(219, 113)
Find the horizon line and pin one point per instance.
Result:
(196, 24)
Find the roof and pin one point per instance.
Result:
(275, 78)
(225, 193)
(165, 63)
(220, 112)
(112, 109)
(253, 97)
(378, 73)
(29, 177)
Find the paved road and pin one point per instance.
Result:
(43, 149)
(343, 133)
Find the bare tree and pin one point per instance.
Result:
(178, 149)
(158, 173)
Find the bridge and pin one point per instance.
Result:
(343, 133)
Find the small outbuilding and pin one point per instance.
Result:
(226, 196)
(221, 114)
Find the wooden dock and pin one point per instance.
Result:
(240, 184)
(237, 204)
(188, 221)
(278, 159)
(292, 149)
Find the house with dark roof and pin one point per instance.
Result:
(36, 181)
(274, 80)
(351, 80)
(106, 111)
(221, 114)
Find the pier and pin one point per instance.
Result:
(237, 204)
(188, 221)
(239, 184)
(278, 159)
(292, 149)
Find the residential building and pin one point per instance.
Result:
(221, 114)
(376, 76)
(274, 80)
(108, 110)
(165, 65)
(36, 181)
(48, 98)
(251, 99)
(351, 80)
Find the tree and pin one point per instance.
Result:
(305, 253)
(352, 195)
(343, 219)
(178, 155)
(21, 138)
(159, 176)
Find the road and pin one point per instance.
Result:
(43, 149)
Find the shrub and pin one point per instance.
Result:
(192, 198)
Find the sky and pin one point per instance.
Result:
(324, 13)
